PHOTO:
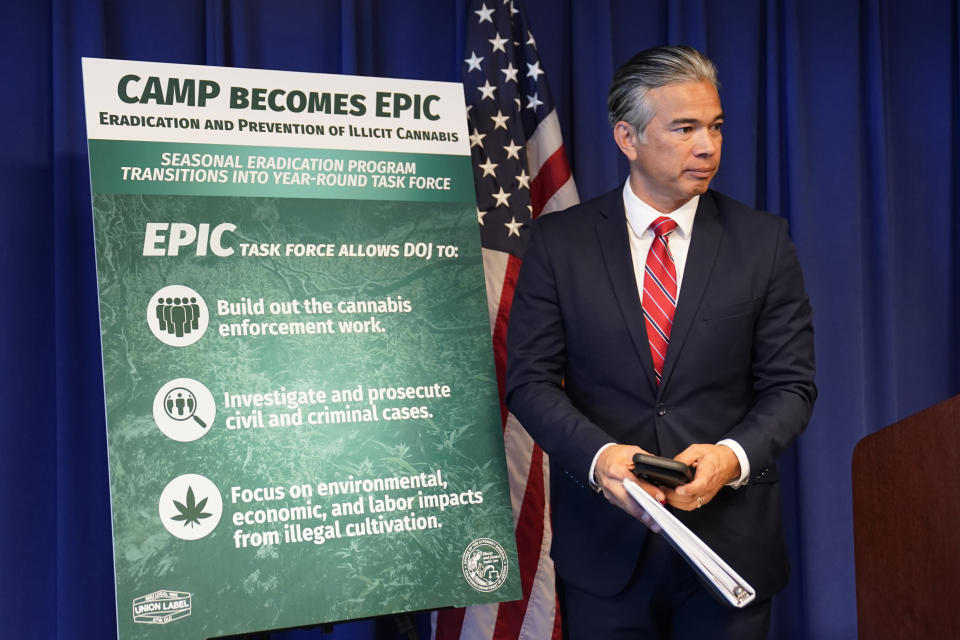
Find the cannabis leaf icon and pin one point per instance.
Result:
(191, 513)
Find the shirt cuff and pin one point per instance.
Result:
(744, 463)
(593, 467)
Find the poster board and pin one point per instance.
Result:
(301, 404)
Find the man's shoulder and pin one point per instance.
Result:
(584, 214)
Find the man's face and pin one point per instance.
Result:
(680, 152)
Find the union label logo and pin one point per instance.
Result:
(485, 565)
(161, 607)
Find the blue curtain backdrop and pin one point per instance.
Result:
(843, 116)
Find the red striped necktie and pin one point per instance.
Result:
(659, 292)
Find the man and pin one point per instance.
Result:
(663, 318)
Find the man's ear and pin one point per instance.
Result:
(626, 138)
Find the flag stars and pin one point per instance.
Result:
(489, 169)
(533, 70)
(523, 180)
(487, 90)
(499, 120)
(498, 43)
(503, 188)
(474, 61)
(476, 139)
(484, 14)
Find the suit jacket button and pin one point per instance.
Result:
(661, 409)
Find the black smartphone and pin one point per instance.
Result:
(663, 472)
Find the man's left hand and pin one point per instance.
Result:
(715, 465)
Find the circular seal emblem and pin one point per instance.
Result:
(485, 565)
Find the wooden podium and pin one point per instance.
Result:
(906, 523)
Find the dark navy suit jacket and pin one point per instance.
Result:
(740, 365)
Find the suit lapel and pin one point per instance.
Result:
(615, 247)
(704, 245)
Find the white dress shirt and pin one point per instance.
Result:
(639, 217)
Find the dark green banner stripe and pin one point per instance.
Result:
(164, 168)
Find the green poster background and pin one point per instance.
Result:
(427, 326)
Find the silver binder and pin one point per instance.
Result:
(695, 551)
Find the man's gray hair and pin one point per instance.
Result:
(649, 69)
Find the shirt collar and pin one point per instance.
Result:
(640, 214)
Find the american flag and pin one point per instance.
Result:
(521, 172)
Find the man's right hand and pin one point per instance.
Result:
(614, 465)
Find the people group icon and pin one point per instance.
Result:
(178, 316)
(184, 409)
(181, 404)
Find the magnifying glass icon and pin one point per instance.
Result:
(180, 404)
